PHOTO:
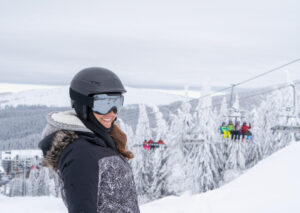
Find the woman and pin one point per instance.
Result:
(87, 150)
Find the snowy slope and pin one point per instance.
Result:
(271, 186)
(59, 96)
(32, 205)
(9, 87)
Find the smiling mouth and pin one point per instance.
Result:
(107, 119)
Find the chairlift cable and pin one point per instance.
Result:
(248, 96)
(220, 103)
(243, 82)
(267, 72)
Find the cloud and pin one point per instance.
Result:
(148, 42)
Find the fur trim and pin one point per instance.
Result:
(61, 140)
(121, 139)
(65, 137)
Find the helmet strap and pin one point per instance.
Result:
(84, 112)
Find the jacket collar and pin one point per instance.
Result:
(66, 120)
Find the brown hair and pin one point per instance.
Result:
(121, 139)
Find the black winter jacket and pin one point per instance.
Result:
(93, 177)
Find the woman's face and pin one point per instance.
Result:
(107, 119)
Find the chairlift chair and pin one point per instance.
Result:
(193, 141)
(191, 138)
(290, 112)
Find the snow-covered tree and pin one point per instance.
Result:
(143, 162)
(33, 180)
(16, 187)
(160, 157)
(43, 182)
(177, 180)
(206, 156)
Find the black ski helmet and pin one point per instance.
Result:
(90, 81)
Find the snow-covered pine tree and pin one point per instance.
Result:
(33, 180)
(16, 187)
(187, 133)
(43, 182)
(160, 157)
(178, 181)
(143, 162)
(253, 152)
(223, 111)
(206, 157)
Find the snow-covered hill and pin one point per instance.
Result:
(32, 204)
(19, 94)
(271, 186)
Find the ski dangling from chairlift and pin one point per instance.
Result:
(152, 145)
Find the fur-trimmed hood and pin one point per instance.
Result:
(54, 145)
(66, 120)
(58, 133)
(64, 128)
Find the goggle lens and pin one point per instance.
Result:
(104, 103)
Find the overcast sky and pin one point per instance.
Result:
(155, 42)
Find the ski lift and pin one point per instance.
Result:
(152, 145)
(192, 141)
(279, 128)
(190, 138)
(289, 113)
(235, 114)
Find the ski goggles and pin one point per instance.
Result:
(104, 103)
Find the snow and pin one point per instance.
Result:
(22, 94)
(43, 204)
(270, 186)
(14, 88)
(1, 168)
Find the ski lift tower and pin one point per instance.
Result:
(234, 112)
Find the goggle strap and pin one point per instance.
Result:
(84, 100)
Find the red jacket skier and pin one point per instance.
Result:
(245, 128)
(245, 131)
(150, 141)
(160, 142)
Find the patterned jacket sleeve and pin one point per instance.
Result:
(117, 193)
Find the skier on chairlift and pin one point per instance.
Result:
(245, 131)
(146, 145)
(238, 130)
(151, 144)
(231, 129)
(160, 142)
(224, 130)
